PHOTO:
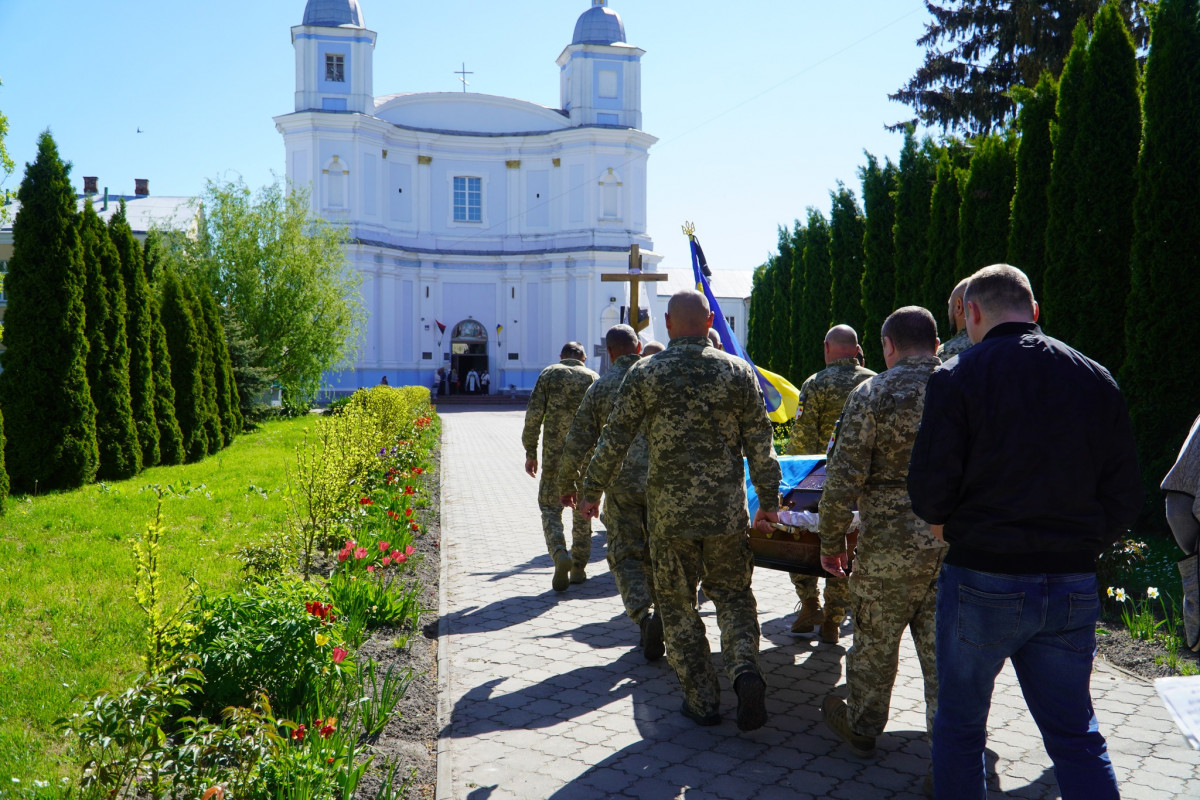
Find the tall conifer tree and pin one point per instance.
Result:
(138, 327)
(185, 347)
(208, 372)
(986, 204)
(1159, 379)
(1031, 200)
(879, 265)
(795, 369)
(1062, 282)
(226, 388)
(914, 193)
(49, 415)
(108, 359)
(170, 437)
(846, 259)
(815, 301)
(753, 316)
(941, 273)
(781, 310)
(1109, 142)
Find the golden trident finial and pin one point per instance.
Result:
(689, 229)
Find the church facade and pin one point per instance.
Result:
(490, 217)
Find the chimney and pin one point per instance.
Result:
(89, 184)
(141, 187)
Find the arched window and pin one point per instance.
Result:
(610, 195)
(335, 177)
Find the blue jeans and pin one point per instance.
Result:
(1046, 624)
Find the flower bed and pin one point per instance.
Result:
(267, 692)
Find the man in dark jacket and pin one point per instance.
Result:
(1025, 462)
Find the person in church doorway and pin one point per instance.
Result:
(552, 405)
(624, 514)
(472, 381)
(455, 388)
(383, 381)
(485, 383)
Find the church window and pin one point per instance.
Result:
(468, 199)
(610, 195)
(335, 67)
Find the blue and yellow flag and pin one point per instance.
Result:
(778, 393)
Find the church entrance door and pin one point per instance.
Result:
(469, 354)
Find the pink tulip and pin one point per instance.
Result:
(360, 552)
(409, 550)
(339, 655)
(383, 546)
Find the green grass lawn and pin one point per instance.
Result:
(70, 626)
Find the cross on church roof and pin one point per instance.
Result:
(464, 73)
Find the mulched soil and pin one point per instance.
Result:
(412, 734)
(1146, 660)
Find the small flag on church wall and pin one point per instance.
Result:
(441, 326)
(498, 329)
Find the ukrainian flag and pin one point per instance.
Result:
(778, 393)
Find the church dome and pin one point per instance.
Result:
(333, 13)
(599, 25)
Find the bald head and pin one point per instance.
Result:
(573, 350)
(688, 314)
(957, 310)
(621, 341)
(841, 342)
(715, 338)
(650, 348)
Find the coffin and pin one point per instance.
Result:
(797, 548)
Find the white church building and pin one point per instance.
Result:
(492, 216)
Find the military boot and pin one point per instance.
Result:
(578, 575)
(751, 692)
(562, 570)
(809, 616)
(837, 719)
(653, 646)
(831, 628)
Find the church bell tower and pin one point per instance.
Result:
(333, 58)
(601, 74)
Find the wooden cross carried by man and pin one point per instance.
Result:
(635, 277)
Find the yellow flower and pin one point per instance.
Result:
(1152, 593)
(1120, 595)
(322, 639)
(1110, 591)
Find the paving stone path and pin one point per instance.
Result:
(545, 695)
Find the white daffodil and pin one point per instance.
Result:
(1120, 595)
(1152, 593)
(1110, 591)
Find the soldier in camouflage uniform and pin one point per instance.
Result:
(894, 582)
(702, 409)
(624, 514)
(552, 406)
(958, 323)
(822, 397)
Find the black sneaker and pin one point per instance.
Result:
(653, 646)
(751, 692)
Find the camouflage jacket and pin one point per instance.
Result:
(954, 345)
(822, 397)
(552, 406)
(702, 409)
(869, 466)
(585, 430)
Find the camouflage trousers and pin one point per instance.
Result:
(581, 534)
(837, 592)
(726, 564)
(624, 518)
(883, 605)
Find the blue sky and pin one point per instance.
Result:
(760, 106)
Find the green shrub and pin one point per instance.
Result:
(264, 639)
